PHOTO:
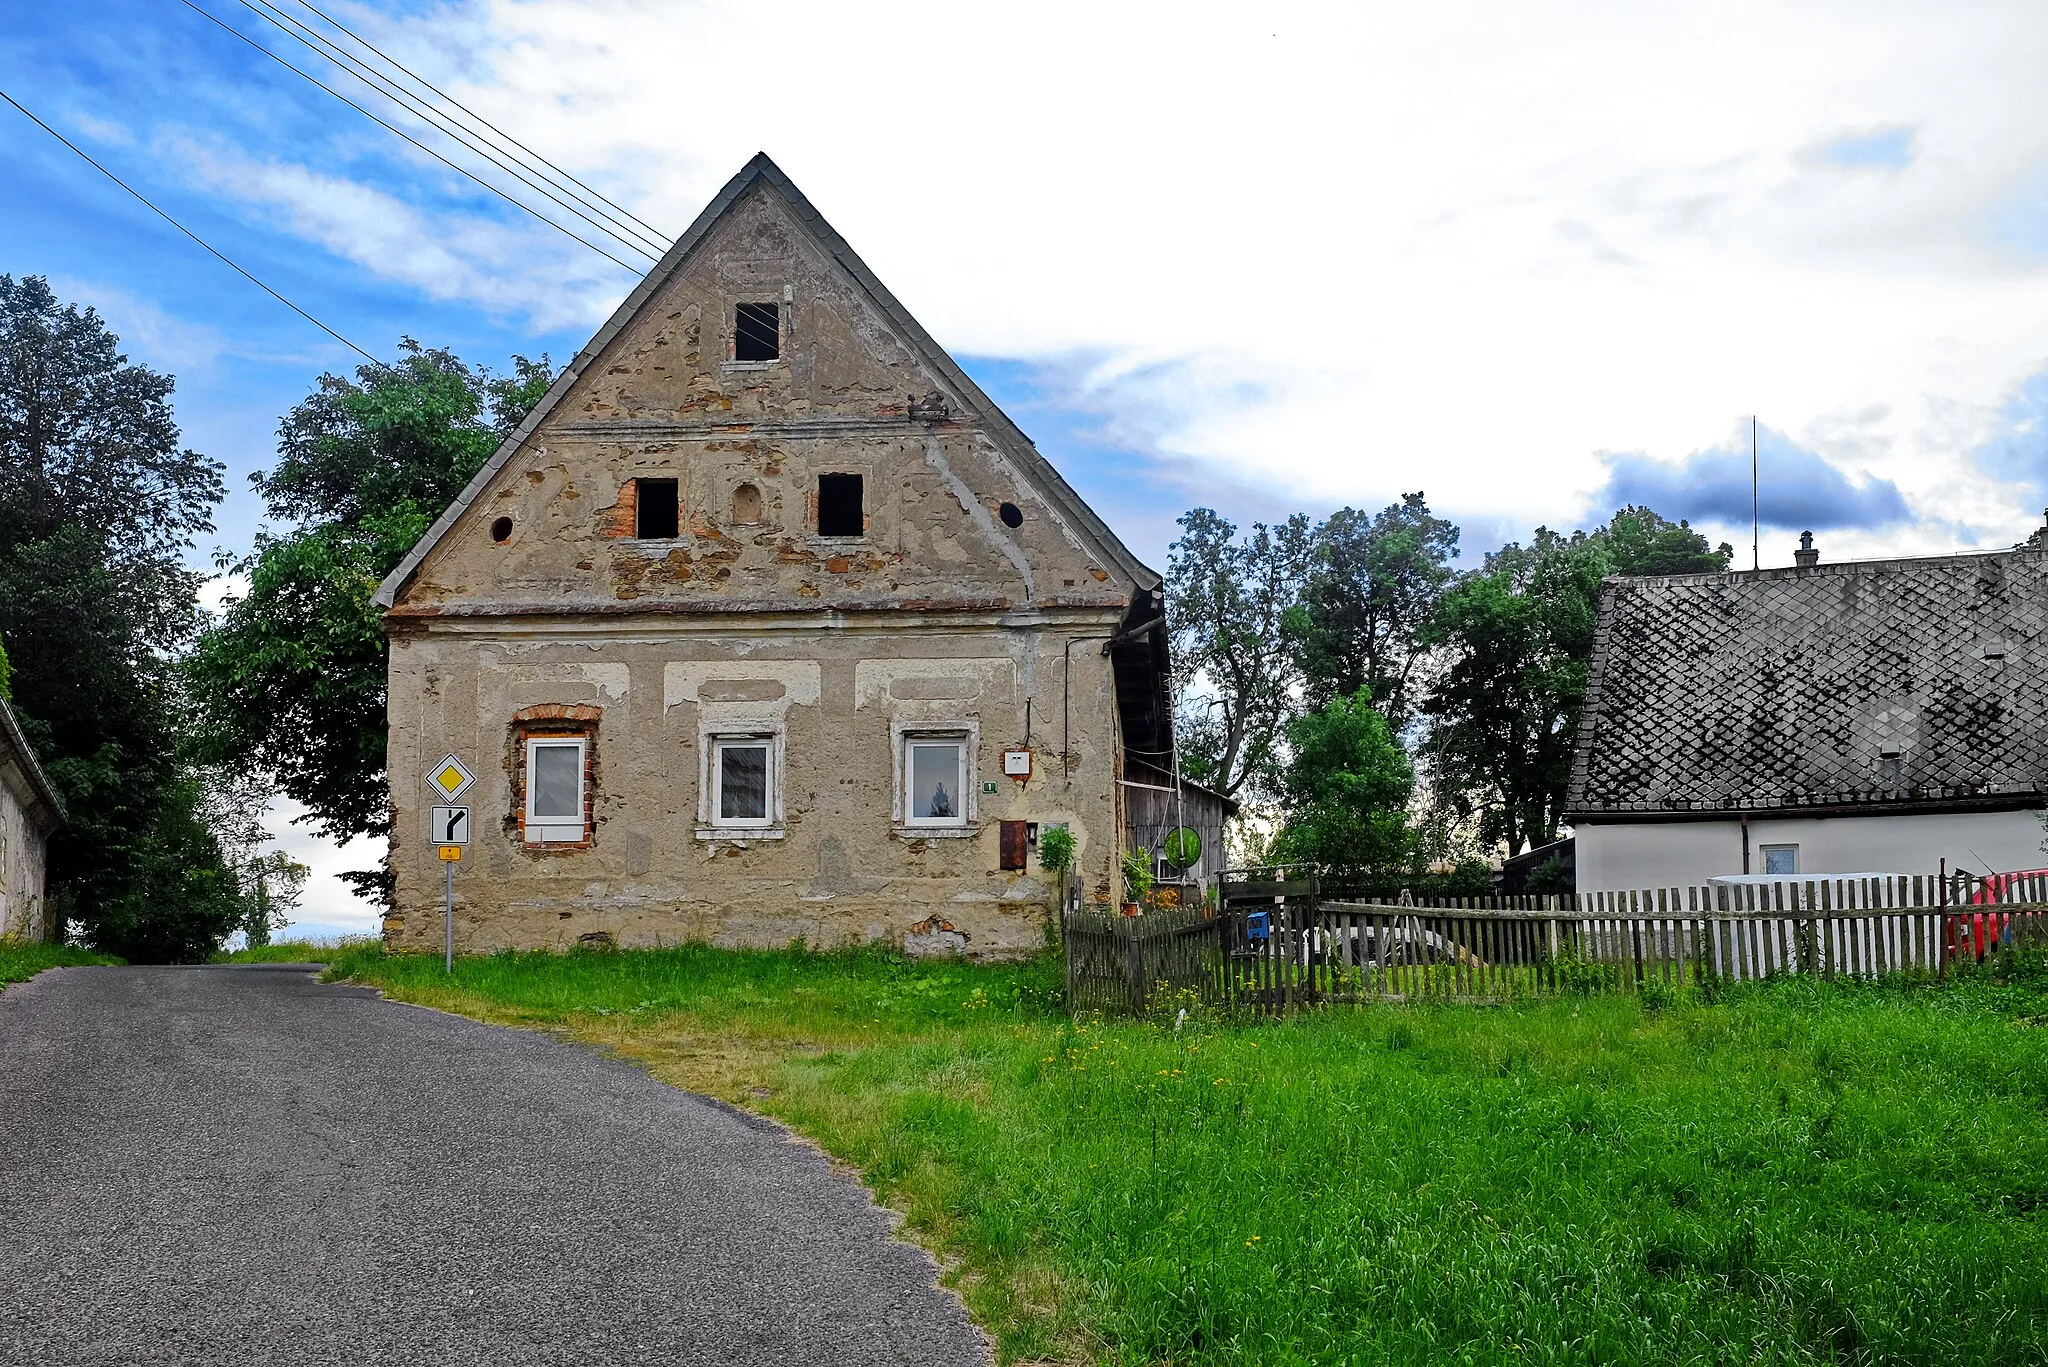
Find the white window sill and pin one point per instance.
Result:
(730, 367)
(556, 835)
(908, 832)
(740, 835)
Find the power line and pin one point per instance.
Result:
(216, 252)
(412, 104)
(598, 197)
(229, 28)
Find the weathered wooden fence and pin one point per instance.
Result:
(1273, 943)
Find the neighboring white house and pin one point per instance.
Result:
(1882, 715)
(29, 813)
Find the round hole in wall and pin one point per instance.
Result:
(1011, 514)
(501, 530)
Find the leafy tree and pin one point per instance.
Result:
(1368, 603)
(1519, 636)
(1234, 679)
(292, 678)
(1346, 787)
(98, 503)
(1639, 542)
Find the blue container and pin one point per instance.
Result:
(1258, 925)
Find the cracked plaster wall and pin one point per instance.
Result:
(940, 612)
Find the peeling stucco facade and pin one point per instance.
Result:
(535, 609)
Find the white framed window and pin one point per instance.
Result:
(739, 781)
(1781, 860)
(935, 777)
(554, 789)
(743, 780)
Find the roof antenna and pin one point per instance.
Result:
(1755, 557)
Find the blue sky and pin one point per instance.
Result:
(1533, 259)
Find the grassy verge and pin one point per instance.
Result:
(1797, 1174)
(294, 952)
(21, 960)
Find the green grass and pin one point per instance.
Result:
(293, 951)
(21, 960)
(1799, 1173)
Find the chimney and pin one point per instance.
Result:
(1806, 557)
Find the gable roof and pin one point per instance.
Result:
(16, 752)
(761, 170)
(1880, 684)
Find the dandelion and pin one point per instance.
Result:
(1249, 1242)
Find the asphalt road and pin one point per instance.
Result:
(243, 1165)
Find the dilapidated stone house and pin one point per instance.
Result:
(765, 624)
(1879, 716)
(30, 813)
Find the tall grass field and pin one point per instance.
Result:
(1799, 1173)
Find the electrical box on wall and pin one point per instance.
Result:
(1017, 764)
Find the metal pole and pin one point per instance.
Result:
(1755, 523)
(448, 954)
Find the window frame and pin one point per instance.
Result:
(1768, 850)
(964, 733)
(770, 776)
(711, 741)
(536, 829)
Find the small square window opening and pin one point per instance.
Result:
(740, 776)
(757, 332)
(937, 783)
(1781, 860)
(554, 789)
(657, 514)
(840, 508)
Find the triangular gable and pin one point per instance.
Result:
(1006, 434)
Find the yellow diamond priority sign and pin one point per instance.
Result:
(451, 777)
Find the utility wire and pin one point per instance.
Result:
(596, 197)
(379, 83)
(229, 28)
(216, 252)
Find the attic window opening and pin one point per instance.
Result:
(656, 516)
(757, 332)
(1011, 514)
(840, 511)
(501, 530)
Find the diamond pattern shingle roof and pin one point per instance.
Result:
(1912, 682)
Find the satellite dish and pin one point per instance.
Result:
(1183, 847)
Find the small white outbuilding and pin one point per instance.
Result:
(1882, 716)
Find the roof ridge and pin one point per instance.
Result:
(1823, 569)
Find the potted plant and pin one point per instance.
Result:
(1137, 871)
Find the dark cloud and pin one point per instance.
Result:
(1798, 491)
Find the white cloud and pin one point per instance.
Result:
(1347, 249)
(444, 255)
(330, 907)
(148, 334)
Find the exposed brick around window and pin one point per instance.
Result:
(541, 722)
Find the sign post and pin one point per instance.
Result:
(448, 827)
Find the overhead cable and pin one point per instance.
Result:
(215, 251)
(321, 46)
(597, 197)
(567, 232)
